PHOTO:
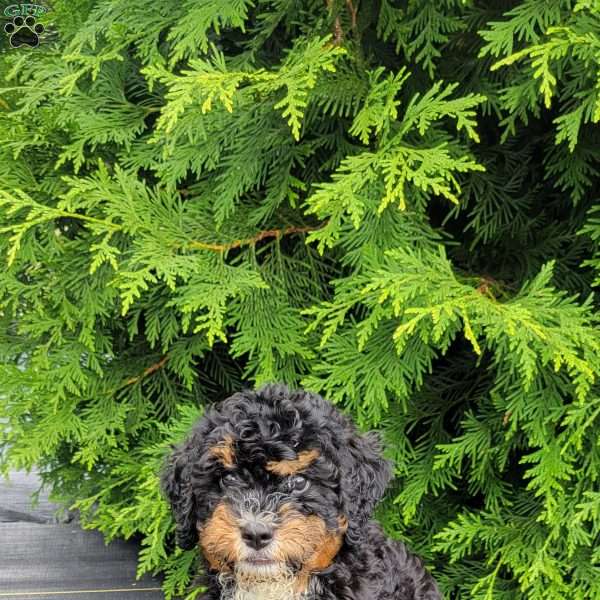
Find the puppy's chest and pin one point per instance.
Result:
(269, 591)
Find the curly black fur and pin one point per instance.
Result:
(348, 479)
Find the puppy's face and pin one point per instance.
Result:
(271, 484)
(271, 508)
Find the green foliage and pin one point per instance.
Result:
(391, 203)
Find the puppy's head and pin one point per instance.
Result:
(271, 484)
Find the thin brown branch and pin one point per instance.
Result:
(151, 369)
(338, 32)
(269, 233)
(353, 13)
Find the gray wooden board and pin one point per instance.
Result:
(41, 559)
(48, 561)
(15, 500)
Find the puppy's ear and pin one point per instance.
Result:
(365, 475)
(177, 486)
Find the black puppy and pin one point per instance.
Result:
(278, 488)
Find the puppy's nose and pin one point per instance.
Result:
(257, 535)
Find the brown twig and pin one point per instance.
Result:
(338, 32)
(353, 13)
(151, 369)
(492, 288)
(269, 233)
(487, 285)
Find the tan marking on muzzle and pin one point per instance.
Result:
(306, 539)
(290, 467)
(224, 452)
(220, 539)
(331, 542)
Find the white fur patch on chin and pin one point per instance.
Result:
(264, 591)
(257, 585)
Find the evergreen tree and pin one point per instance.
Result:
(390, 203)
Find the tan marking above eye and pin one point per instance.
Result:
(293, 466)
(224, 452)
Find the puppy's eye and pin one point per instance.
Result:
(298, 483)
(229, 478)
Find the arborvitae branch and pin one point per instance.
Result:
(269, 233)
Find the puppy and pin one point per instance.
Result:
(278, 488)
